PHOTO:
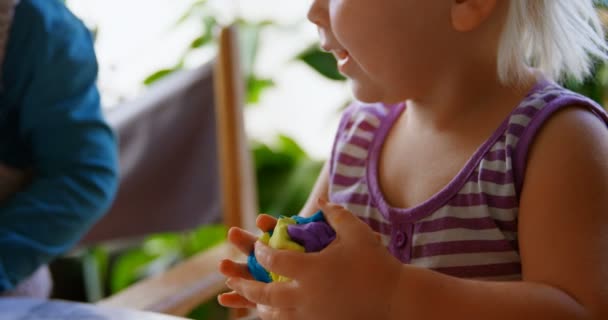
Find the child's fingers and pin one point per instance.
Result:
(234, 300)
(266, 222)
(288, 263)
(337, 216)
(233, 269)
(277, 294)
(267, 312)
(242, 239)
(378, 236)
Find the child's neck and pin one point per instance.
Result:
(463, 97)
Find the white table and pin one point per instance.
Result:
(35, 309)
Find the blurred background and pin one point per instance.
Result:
(137, 39)
(294, 97)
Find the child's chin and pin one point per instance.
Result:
(364, 93)
(370, 94)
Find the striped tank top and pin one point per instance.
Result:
(469, 228)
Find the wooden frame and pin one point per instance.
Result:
(239, 199)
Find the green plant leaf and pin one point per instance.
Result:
(289, 146)
(267, 157)
(163, 243)
(128, 268)
(249, 41)
(161, 263)
(95, 267)
(199, 41)
(249, 34)
(255, 88)
(157, 253)
(204, 238)
(207, 36)
(209, 310)
(195, 8)
(160, 74)
(322, 62)
(594, 86)
(285, 175)
(297, 185)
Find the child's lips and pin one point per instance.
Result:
(343, 59)
(341, 54)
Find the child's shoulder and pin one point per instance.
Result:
(544, 101)
(542, 113)
(549, 94)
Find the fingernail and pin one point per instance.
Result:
(261, 252)
(260, 248)
(221, 265)
(230, 283)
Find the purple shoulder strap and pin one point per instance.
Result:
(565, 100)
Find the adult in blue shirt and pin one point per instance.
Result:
(52, 138)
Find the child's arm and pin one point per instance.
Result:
(563, 234)
(320, 190)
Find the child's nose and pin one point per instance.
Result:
(317, 13)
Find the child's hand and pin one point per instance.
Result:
(244, 241)
(353, 278)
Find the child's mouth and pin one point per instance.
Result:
(343, 59)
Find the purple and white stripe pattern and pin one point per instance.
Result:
(468, 229)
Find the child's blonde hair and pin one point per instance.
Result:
(559, 37)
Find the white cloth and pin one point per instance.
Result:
(38, 285)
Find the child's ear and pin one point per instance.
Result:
(469, 14)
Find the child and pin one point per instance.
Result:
(485, 180)
(58, 158)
